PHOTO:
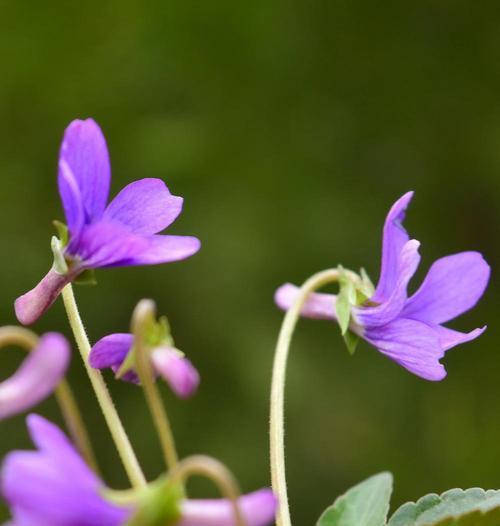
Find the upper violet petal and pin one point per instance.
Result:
(412, 344)
(394, 238)
(146, 207)
(408, 262)
(37, 377)
(258, 509)
(318, 305)
(84, 150)
(452, 286)
(71, 198)
(161, 249)
(449, 338)
(111, 350)
(177, 370)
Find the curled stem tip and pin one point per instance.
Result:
(142, 319)
(215, 471)
(277, 425)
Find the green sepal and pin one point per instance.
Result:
(87, 277)
(345, 300)
(366, 504)
(60, 265)
(62, 232)
(127, 365)
(351, 340)
(158, 505)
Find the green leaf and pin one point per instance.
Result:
(456, 507)
(351, 341)
(366, 504)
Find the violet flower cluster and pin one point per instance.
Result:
(55, 485)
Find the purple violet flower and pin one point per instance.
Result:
(54, 487)
(37, 377)
(409, 330)
(168, 362)
(123, 233)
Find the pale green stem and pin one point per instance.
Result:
(144, 317)
(28, 340)
(277, 423)
(113, 421)
(214, 470)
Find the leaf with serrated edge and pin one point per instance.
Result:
(456, 507)
(366, 504)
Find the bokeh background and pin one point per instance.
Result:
(289, 128)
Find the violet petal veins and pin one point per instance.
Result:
(409, 330)
(52, 486)
(123, 233)
(180, 374)
(37, 377)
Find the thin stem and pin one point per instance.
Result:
(113, 421)
(214, 470)
(144, 316)
(277, 423)
(28, 340)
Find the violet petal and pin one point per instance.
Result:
(162, 249)
(110, 350)
(84, 150)
(258, 508)
(452, 286)
(382, 314)
(448, 338)
(146, 207)
(394, 238)
(71, 199)
(412, 344)
(37, 377)
(53, 486)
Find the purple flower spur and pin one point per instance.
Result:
(52, 486)
(122, 233)
(409, 330)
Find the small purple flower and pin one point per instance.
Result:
(123, 233)
(54, 487)
(37, 377)
(409, 330)
(168, 362)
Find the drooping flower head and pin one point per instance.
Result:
(115, 350)
(409, 330)
(52, 486)
(37, 377)
(122, 233)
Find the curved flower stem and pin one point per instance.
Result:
(144, 316)
(10, 335)
(277, 425)
(214, 470)
(113, 421)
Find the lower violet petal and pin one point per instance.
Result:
(449, 338)
(412, 344)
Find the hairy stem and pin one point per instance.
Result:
(144, 316)
(28, 340)
(113, 421)
(277, 423)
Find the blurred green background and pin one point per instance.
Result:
(289, 128)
